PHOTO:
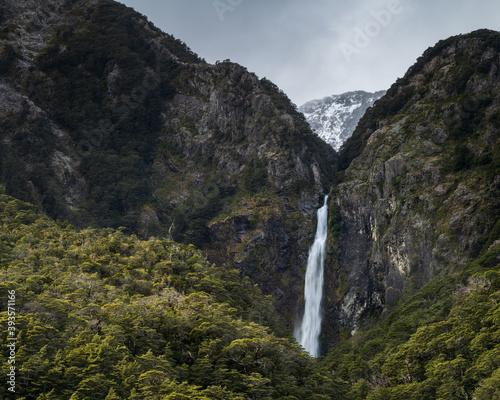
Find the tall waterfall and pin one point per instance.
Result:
(308, 333)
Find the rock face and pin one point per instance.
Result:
(334, 118)
(108, 121)
(420, 187)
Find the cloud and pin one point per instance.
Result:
(298, 44)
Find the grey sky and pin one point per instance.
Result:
(315, 48)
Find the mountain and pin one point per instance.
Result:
(419, 194)
(334, 118)
(418, 237)
(108, 122)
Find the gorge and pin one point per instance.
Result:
(172, 258)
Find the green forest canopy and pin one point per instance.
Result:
(102, 315)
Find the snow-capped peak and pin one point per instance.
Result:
(334, 118)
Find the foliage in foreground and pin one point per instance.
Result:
(102, 315)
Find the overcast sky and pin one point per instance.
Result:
(315, 48)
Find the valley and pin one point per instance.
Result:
(158, 213)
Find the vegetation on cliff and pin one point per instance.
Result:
(141, 124)
(441, 343)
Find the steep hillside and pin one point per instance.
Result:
(441, 343)
(416, 296)
(98, 314)
(334, 118)
(420, 184)
(106, 121)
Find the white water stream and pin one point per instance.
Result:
(308, 333)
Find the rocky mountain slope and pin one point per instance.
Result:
(415, 288)
(420, 178)
(107, 121)
(334, 118)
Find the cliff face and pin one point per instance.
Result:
(420, 188)
(249, 166)
(107, 121)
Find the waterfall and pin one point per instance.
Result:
(308, 333)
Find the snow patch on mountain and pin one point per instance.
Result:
(334, 118)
